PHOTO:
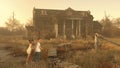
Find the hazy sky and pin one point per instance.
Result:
(23, 8)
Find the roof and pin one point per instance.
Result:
(68, 11)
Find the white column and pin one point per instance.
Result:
(72, 27)
(72, 30)
(64, 35)
(79, 28)
(56, 30)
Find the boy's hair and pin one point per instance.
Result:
(38, 38)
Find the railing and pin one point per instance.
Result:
(99, 36)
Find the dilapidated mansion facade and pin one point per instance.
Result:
(68, 23)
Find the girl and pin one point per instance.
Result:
(29, 51)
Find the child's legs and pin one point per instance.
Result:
(28, 58)
(37, 56)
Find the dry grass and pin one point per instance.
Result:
(41, 64)
(106, 57)
(96, 59)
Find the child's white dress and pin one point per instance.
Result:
(29, 49)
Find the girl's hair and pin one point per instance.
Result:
(30, 41)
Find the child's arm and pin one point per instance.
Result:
(41, 48)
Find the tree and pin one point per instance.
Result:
(29, 22)
(13, 25)
(116, 22)
(30, 29)
(116, 29)
(97, 27)
(110, 27)
(107, 26)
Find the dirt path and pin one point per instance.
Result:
(5, 55)
(8, 60)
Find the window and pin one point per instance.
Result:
(69, 13)
(43, 12)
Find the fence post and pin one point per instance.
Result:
(96, 41)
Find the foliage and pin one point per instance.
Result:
(116, 22)
(29, 22)
(109, 27)
(97, 27)
(13, 27)
(13, 24)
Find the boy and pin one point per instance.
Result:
(38, 49)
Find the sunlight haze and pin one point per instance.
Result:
(23, 8)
